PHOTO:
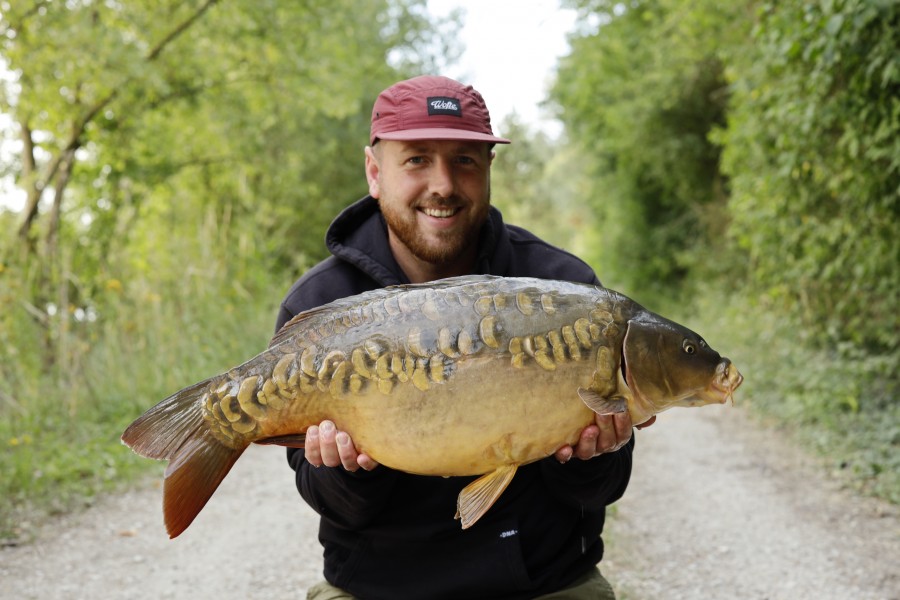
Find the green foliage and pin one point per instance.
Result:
(753, 149)
(641, 93)
(538, 183)
(813, 152)
(60, 435)
(181, 162)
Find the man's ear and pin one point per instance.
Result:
(373, 171)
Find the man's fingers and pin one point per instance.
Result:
(346, 451)
(615, 431)
(608, 439)
(327, 444)
(312, 453)
(608, 434)
(564, 454)
(366, 462)
(622, 424)
(587, 444)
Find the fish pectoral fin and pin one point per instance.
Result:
(297, 440)
(600, 404)
(477, 497)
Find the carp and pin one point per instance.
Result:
(470, 375)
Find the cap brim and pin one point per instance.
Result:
(440, 133)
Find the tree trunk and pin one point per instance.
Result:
(29, 181)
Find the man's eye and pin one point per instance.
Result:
(465, 160)
(416, 160)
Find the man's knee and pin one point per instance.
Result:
(326, 591)
(591, 586)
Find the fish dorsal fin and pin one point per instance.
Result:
(600, 404)
(377, 295)
(477, 497)
(288, 328)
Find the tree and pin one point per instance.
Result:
(640, 92)
(813, 153)
(154, 135)
(538, 183)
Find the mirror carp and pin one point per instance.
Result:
(471, 375)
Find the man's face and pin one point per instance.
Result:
(434, 195)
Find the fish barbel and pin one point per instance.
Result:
(471, 375)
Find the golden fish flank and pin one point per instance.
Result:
(480, 374)
(335, 374)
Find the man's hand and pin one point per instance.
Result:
(325, 445)
(608, 433)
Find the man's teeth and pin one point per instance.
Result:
(441, 213)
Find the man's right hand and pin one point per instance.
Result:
(326, 445)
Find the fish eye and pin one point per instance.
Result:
(689, 347)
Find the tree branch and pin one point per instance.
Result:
(62, 180)
(157, 50)
(29, 179)
(78, 128)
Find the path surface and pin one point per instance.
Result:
(718, 508)
(255, 539)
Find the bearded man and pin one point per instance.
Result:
(386, 534)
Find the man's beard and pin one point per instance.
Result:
(449, 246)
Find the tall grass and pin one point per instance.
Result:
(60, 427)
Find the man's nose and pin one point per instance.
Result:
(442, 180)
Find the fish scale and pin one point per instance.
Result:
(465, 376)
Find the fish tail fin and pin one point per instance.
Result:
(160, 432)
(175, 430)
(193, 475)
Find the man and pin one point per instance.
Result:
(388, 534)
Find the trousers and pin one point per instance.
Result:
(591, 586)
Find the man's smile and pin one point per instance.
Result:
(440, 213)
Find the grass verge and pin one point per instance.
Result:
(59, 431)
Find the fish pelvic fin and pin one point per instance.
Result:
(477, 497)
(602, 405)
(175, 430)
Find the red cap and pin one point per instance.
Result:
(431, 108)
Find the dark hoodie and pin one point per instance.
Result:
(391, 535)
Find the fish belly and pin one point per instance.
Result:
(489, 414)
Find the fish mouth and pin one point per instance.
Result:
(726, 381)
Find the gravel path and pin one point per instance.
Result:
(255, 539)
(718, 508)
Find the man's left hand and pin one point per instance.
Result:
(608, 433)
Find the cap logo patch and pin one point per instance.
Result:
(441, 105)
